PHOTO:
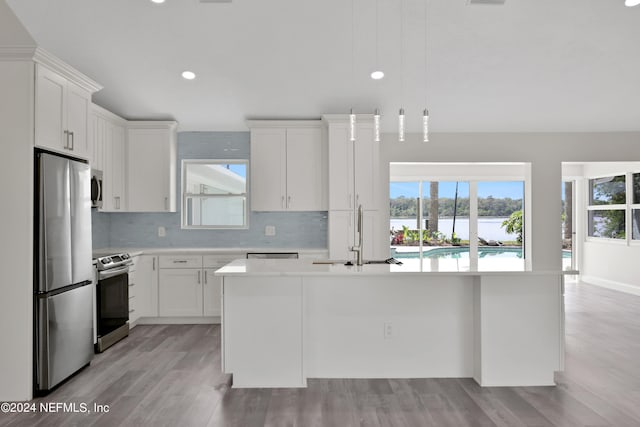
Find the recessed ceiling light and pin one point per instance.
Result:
(158, 1)
(189, 75)
(630, 3)
(377, 75)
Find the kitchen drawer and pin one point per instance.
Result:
(134, 265)
(217, 261)
(185, 261)
(133, 312)
(132, 289)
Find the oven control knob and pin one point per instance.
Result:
(105, 260)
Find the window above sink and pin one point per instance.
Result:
(214, 194)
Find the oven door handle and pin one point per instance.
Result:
(105, 274)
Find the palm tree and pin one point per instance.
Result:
(433, 207)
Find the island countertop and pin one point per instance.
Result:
(307, 267)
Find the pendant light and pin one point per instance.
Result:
(376, 125)
(425, 125)
(352, 126)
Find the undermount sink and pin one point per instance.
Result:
(352, 262)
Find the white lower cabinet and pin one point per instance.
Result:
(212, 293)
(180, 292)
(143, 288)
(189, 287)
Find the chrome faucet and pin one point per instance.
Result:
(358, 249)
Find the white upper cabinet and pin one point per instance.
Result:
(62, 112)
(268, 169)
(288, 166)
(151, 166)
(107, 143)
(114, 189)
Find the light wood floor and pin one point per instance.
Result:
(170, 376)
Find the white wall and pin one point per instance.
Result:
(545, 152)
(16, 229)
(607, 263)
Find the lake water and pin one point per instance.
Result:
(488, 228)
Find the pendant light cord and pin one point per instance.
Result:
(401, 52)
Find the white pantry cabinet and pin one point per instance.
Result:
(288, 166)
(354, 180)
(151, 166)
(343, 235)
(354, 165)
(62, 110)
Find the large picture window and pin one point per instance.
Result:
(607, 207)
(214, 193)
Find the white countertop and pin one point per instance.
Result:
(303, 267)
(201, 251)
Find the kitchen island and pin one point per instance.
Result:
(284, 321)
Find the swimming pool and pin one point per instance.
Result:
(455, 252)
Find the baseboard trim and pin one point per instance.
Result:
(178, 320)
(611, 284)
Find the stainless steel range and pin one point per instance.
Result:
(112, 299)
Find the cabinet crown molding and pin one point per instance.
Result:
(266, 123)
(344, 118)
(17, 53)
(152, 124)
(45, 58)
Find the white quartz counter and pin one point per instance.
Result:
(240, 252)
(307, 267)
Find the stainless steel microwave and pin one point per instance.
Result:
(96, 189)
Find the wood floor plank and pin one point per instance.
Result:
(170, 375)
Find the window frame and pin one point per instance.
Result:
(186, 196)
(627, 207)
(632, 207)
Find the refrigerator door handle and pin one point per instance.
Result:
(42, 349)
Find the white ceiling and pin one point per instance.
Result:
(529, 65)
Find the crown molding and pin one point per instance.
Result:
(17, 53)
(344, 118)
(152, 124)
(283, 123)
(45, 58)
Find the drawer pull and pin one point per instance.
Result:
(131, 311)
(179, 261)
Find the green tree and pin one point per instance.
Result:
(513, 225)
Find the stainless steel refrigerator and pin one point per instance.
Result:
(63, 279)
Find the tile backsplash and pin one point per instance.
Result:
(305, 230)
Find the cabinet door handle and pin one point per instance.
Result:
(166, 203)
(116, 202)
(282, 202)
(154, 264)
(198, 277)
(73, 144)
(66, 139)
(131, 311)
(288, 202)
